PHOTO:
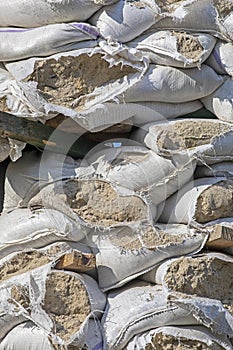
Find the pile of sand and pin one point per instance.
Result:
(188, 45)
(215, 202)
(66, 79)
(202, 276)
(189, 134)
(96, 202)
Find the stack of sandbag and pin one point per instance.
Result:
(120, 249)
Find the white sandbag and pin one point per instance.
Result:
(146, 307)
(24, 229)
(29, 258)
(124, 254)
(221, 58)
(21, 13)
(174, 85)
(206, 275)
(28, 336)
(208, 140)
(213, 17)
(17, 43)
(95, 203)
(215, 170)
(32, 172)
(177, 49)
(110, 113)
(61, 302)
(124, 20)
(47, 91)
(141, 170)
(201, 201)
(174, 337)
(220, 102)
(209, 312)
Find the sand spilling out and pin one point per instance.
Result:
(66, 302)
(148, 237)
(161, 341)
(3, 105)
(188, 46)
(20, 297)
(203, 276)
(26, 261)
(189, 134)
(223, 7)
(96, 202)
(215, 202)
(125, 158)
(168, 5)
(64, 80)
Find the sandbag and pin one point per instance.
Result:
(221, 59)
(21, 13)
(124, 20)
(174, 85)
(30, 258)
(141, 170)
(220, 102)
(208, 140)
(124, 254)
(176, 49)
(182, 337)
(61, 302)
(24, 229)
(215, 170)
(28, 336)
(18, 43)
(32, 172)
(139, 113)
(95, 203)
(78, 94)
(146, 307)
(213, 17)
(207, 275)
(203, 200)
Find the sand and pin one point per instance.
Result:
(202, 276)
(215, 202)
(96, 202)
(189, 134)
(162, 341)
(66, 302)
(68, 78)
(149, 238)
(168, 5)
(26, 261)
(188, 46)
(223, 7)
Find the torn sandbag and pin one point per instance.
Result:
(178, 337)
(24, 229)
(201, 201)
(125, 253)
(32, 172)
(174, 48)
(208, 140)
(52, 297)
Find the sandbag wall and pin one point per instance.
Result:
(113, 251)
